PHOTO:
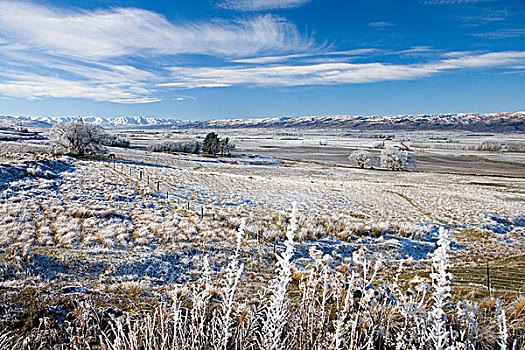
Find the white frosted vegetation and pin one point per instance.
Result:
(131, 204)
(328, 290)
(330, 310)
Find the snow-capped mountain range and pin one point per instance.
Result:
(493, 122)
(106, 122)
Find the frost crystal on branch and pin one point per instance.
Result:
(233, 274)
(502, 326)
(276, 310)
(78, 137)
(439, 334)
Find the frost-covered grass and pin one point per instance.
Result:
(134, 229)
(133, 204)
(319, 308)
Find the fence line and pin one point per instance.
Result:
(491, 277)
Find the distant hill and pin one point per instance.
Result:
(493, 122)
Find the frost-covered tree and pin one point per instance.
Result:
(226, 147)
(78, 137)
(361, 157)
(394, 158)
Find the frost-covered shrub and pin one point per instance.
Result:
(394, 158)
(439, 332)
(515, 147)
(276, 311)
(180, 146)
(361, 158)
(492, 146)
(115, 141)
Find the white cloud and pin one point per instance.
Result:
(274, 59)
(418, 50)
(129, 31)
(184, 98)
(441, 2)
(333, 73)
(315, 74)
(503, 33)
(487, 60)
(259, 5)
(50, 52)
(380, 24)
(36, 87)
(38, 76)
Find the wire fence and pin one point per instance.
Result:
(488, 277)
(493, 277)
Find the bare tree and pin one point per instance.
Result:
(361, 157)
(394, 158)
(78, 137)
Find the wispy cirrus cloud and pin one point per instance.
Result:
(441, 2)
(380, 24)
(184, 98)
(33, 86)
(502, 33)
(334, 73)
(127, 55)
(130, 31)
(317, 55)
(314, 74)
(260, 5)
(51, 52)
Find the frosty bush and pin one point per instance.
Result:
(492, 146)
(78, 137)
(394, 158)
(316, 306)
(115, 141)
(361, 157)
(439, 334)
(176, 147)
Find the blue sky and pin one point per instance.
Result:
(204, 59)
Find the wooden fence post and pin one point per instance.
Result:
(488, 279)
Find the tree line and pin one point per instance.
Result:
(80, 138)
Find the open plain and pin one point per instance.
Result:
(120, 232)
